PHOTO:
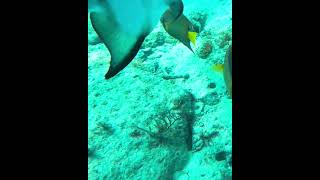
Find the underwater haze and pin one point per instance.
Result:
(168, 114)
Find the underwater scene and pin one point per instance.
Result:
(160, 89)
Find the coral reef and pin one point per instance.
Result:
(205, 50)
(199, 20)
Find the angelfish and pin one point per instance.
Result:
(123, 25)
(226, 68)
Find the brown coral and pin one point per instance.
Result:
(205, 50)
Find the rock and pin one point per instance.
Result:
(220, 156)
(212, 85)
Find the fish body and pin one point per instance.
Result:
(123, 25)
(227, 71)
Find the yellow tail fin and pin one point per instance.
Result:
(192, 37)
(217, 67)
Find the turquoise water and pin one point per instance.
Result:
(167, 115)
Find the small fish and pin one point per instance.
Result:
(226, 68)
(179, 27)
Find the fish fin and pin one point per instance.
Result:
(192, 37)
(122, 46)
(218, 67)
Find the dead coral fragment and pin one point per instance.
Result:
(168, 77)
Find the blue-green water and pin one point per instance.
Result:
(167, 115)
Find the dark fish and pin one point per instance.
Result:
(180, 28)
(123, 26)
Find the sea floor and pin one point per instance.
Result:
(143, 122)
